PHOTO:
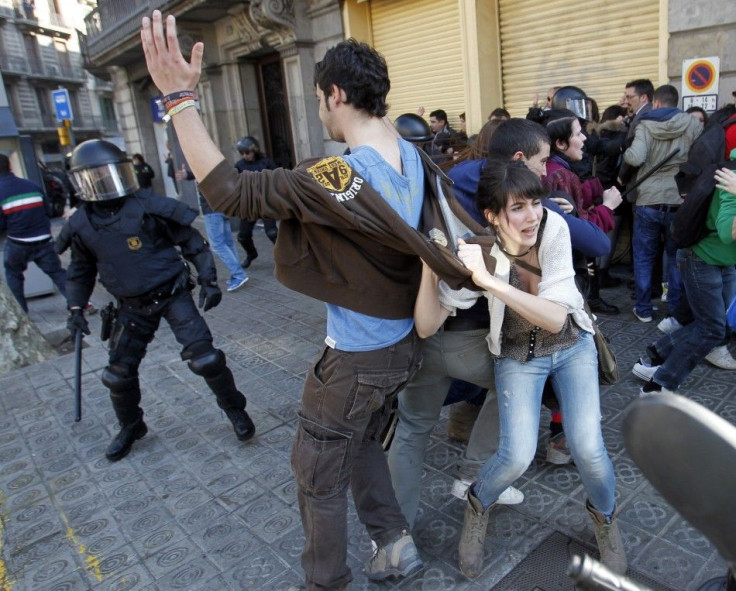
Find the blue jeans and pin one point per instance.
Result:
(221, 242)
(649, 225)
(18, 255)
(574, 375)
(446, 355)
(709, 290)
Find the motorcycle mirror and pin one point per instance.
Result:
(688, 453)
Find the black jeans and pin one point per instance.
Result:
(245, 234)
(17, 257)
(346, 403)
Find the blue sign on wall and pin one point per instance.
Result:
(62, 105)
(157, 109)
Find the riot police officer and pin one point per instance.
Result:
(130, 238)
(253, 160)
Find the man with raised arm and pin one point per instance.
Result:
(352, 232)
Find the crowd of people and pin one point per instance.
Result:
(453, 267)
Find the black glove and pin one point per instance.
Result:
(209, 296)
(77, 321)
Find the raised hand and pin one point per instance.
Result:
(170, 71)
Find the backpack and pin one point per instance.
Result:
(696, 183)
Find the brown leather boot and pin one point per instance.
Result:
(473, 537)
(610, 542)
(461, 421)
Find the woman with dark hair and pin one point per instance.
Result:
(566, 146)
(592, 202)
(538, 330)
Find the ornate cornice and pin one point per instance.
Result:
(273, 14)
(265, 24)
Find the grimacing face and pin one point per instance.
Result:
(538, 162)
(518, 223)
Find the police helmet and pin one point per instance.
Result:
(100, 171)
(247, 144)
(575, 100)
(413, 128)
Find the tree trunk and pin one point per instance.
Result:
(21, 343)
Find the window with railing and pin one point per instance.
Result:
(32, 54)
(43, 99)
(107, 109)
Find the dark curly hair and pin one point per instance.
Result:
(360, 71)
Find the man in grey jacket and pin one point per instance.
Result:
(659, 132)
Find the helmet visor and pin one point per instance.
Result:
(109, 181)
(581, 107)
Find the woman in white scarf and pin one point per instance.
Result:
(539, 329)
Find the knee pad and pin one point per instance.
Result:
(207, 363)
(119, 378)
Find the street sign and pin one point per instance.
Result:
(700, 78)
(62, 104)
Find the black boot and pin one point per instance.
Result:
(125, 395)
(122, 442)
(242, 423)
(231, 401)
(596, 303)
(249, 258)
(602, 307)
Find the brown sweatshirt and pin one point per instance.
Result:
(340, 241)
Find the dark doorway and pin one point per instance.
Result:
(275, 111)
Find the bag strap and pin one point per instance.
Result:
(529, 267)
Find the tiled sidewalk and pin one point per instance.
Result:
(193, 508)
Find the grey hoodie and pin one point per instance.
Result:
(655, 138)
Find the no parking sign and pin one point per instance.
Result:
(700, 83)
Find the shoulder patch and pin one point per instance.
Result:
(333, 173)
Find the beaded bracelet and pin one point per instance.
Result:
(179, 107)
(171, 100)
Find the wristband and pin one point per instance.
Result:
(171, 100)
(178, 108)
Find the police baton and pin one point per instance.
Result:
(78, 375)
(651, 171)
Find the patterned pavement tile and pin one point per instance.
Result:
(191, 507)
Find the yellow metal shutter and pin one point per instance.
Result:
(596, 45)
(421, 42)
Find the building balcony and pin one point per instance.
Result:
(46, 122)
(113, 28)
(33, 68)
(52, 25)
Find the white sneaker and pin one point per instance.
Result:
(721, 357)
(644, 370)
(511, 496)
(642, 318)
(558, 452)
(669, 325)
